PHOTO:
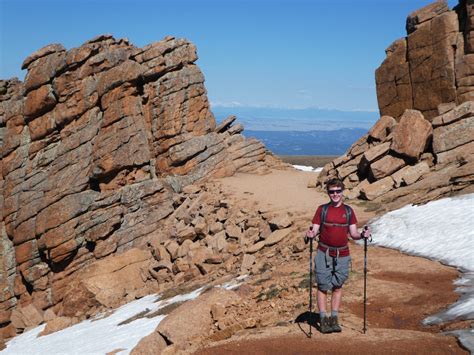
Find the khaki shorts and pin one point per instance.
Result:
(331, 272)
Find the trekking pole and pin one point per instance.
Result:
(310, 283)
(365, 281)
(365, 284)
(310, 279)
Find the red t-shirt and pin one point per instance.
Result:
(335, 236)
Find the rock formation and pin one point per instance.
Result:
(430, 70)
(96, 145)
(422, 147)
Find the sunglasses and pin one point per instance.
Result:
(332, 192)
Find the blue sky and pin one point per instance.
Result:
(280, 53)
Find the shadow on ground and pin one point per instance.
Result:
(311, 319)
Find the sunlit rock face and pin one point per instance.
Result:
(432, 68)
(95, 143)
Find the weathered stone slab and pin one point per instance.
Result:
(445, 107)
(464, 152)
(153, 343)
(190, 148)
(378, 188)
(225, 124)
(277, 236)
(39, 101)
(349, 167)
(281, 221)
(125, 72)
(376, 152)
(382, 128)
(339, 161)
(44, 69)
(256, 247)
(43, 52)
(236, 129)
(385, 166)
(359, 146)
(411, 135)
(193, 319)
(410, 174)
(453, 135)
(466, 109)
(431, 61)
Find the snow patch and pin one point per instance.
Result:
(307, 168)
(440, 230)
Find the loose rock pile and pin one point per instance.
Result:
(206, 237)
(219, 239)
(411, 160)
(210, 236)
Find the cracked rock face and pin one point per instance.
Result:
(432, 66)
(95, 143)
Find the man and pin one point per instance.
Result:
(335, 222)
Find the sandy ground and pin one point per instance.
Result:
(283, 190)
(402, 290)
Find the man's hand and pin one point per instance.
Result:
(310, 233)
(366, 232)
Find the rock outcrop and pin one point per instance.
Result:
(422, 147)
(431, 69)
(96, 144)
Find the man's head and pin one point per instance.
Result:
(334, 184)
(334, 187)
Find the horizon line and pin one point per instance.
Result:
(278, 107)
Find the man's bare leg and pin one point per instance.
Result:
(336, 299)
(322, 301)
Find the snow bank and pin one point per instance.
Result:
(307, 168)
(440, 230)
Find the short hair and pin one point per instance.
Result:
(334, 182)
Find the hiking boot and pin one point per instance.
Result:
(325, 326)
(334, 324)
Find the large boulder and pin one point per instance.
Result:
(189, 322)
(411, 135)
(152, 344)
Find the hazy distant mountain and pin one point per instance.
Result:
(334, 142)
(283, 119)
(301, 131)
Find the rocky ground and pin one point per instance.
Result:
(271, 315)
(252, 226)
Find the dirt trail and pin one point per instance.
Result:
(402, 290)
(282, 190)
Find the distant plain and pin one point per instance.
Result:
(301, 132)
